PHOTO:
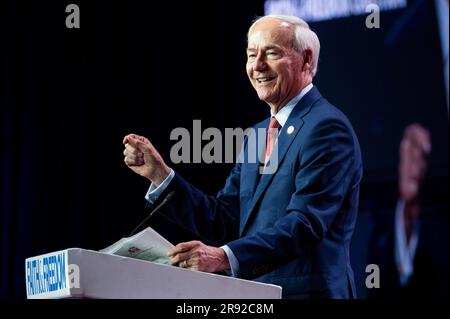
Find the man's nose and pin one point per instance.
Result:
(260, 64)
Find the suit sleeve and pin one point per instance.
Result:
(329, 167)
(214, 220)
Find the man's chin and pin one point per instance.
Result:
(264, 96)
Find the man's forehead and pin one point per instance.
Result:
(267, 38)
(258, 38)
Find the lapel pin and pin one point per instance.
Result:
(290, 129)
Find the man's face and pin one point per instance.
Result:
(273, 66)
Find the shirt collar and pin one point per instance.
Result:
(286, 110)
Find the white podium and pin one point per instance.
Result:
(81, 273)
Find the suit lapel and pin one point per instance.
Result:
(287, 135)
(254, 164)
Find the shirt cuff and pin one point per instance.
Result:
(155, 191)
(404, 251)
(234, 263)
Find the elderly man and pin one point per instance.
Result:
(292, 227)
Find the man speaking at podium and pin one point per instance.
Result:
(291, 227)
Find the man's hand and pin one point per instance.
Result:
(414, 148)
(142, 158)
(197, 256)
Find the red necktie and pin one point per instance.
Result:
(272, 134)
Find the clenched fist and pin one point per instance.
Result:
(142, 158)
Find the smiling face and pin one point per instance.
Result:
(275, 69)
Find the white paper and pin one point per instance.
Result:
(147, 245)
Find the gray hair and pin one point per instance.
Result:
(304, 39)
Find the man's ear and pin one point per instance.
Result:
(307, 58)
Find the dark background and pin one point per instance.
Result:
(68, 97)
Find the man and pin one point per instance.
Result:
(292, 227)
(410, 243)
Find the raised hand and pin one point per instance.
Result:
(143, 158)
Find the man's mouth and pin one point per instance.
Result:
(264, 79)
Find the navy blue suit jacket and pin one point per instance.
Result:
(291, 228)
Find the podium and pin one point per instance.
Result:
(81, 273)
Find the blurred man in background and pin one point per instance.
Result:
(408, 244)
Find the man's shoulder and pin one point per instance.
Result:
(314, 107)
(325, 114)
(323, 109)
(325, 117)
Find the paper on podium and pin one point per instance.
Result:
(146, 245)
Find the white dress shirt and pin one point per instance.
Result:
(404, 251)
